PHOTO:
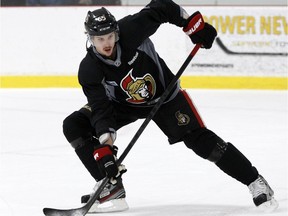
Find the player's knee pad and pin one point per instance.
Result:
(206, 144)
(80, 142)
(77, 129)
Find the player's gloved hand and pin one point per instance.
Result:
(105, 155)
(199, 31)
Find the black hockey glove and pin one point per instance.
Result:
(105, 155)
(199, 31)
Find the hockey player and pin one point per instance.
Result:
(122, 77)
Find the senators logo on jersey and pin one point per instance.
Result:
(183, 119)
(139, 89)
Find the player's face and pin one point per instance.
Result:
(105, 44)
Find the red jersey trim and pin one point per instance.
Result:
(194, 109)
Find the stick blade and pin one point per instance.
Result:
(62, 212)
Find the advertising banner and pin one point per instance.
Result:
(49, 43)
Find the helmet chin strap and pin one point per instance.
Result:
(89, 41)
(116, 36)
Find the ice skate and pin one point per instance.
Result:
(263, 195)
(111, 199)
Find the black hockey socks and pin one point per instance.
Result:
(208, 145)
(236, 165)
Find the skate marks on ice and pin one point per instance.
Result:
(194, 210)
(5, 208)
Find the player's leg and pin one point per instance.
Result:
(79, 133)
(188, 126)
(230, 160)
(227, 157)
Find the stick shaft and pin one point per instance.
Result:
(148, 119)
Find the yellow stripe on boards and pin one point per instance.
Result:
(201, 82)
(39, 82)
(223, 82)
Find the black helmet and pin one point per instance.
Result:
(100, 22)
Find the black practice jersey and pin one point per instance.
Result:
(138, 76)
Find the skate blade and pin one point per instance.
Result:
(269, 206)
(115, 205)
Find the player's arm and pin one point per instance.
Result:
(145, 23)
(136, 28)
(91, 79)
(194, 26)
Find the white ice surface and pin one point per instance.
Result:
(39, 168)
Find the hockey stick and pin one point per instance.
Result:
(226, 50)
(84, 209)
